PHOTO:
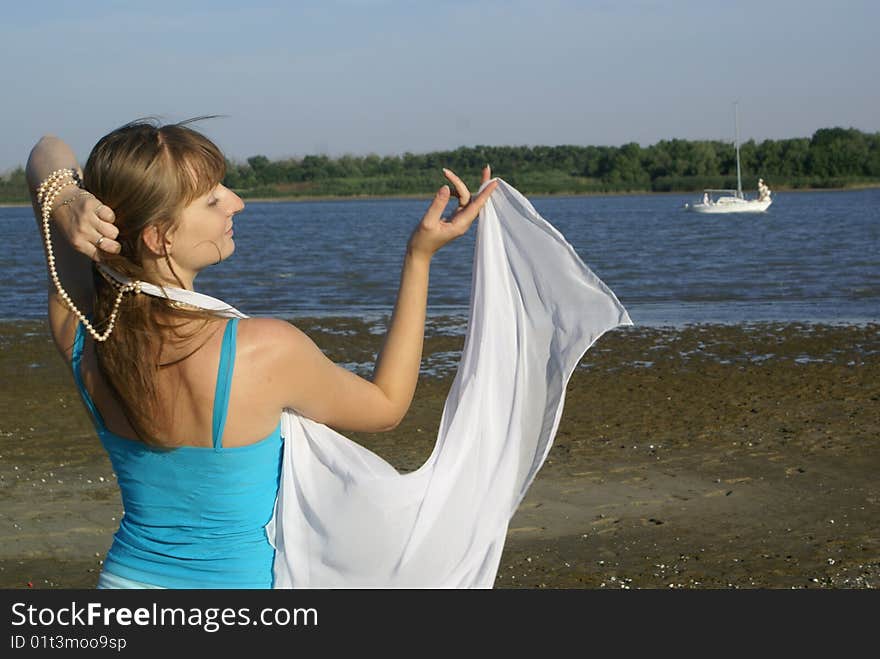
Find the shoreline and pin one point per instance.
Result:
(414, 196)
(539, 195)
(454, 322)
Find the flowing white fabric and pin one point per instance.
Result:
(346, 518)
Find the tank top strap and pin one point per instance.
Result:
(79, 342)
(224, 382)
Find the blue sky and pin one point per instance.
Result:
(386, 76)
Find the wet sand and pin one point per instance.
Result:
(695, 457)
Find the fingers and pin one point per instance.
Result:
(438, 205)
(104, 213)
(463, 194)
(460, 190)
(483, 197)
(106, 229)
(98, 246)
(108, 245)
(106, 232)
(102, 245)
(91, 229)
(468, 214)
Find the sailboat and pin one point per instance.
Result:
(733, 201)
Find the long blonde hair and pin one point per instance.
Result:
(147, 173)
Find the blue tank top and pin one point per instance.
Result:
(194, 517)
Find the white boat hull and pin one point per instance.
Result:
(731, 205)
(733, 201)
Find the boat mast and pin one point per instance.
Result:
(739, 183)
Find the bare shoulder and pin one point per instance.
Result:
(269, 343)
(286, 368)
(270, 336)
(277, 360)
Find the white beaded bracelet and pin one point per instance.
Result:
(47, 192)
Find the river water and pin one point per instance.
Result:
(813, 257)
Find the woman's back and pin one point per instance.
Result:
(194, 515)
(186, 383)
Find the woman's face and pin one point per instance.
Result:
(203, 234)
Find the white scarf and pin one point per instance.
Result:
(345, 518)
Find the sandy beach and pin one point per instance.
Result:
(695, 457)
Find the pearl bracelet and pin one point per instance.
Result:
(47, 192)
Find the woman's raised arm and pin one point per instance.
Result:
(317, 388)
(72, 219)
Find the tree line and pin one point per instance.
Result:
(832, 157)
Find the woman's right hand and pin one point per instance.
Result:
(433, 231)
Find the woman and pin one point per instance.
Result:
(186, 401)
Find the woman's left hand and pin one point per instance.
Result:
(87, 224)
